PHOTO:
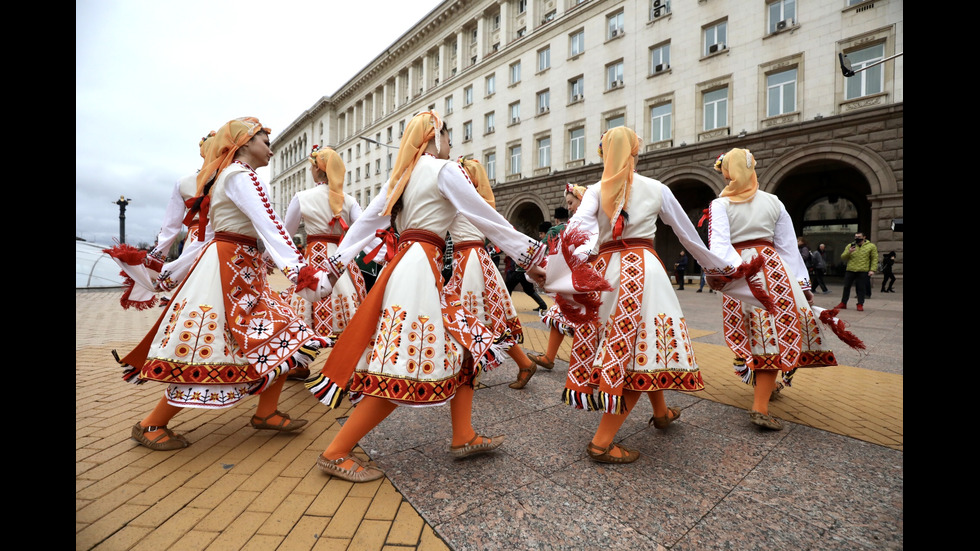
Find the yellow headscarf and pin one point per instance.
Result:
(206, 143)
(423, 128)
(617, 149)
(327, 160)
(738, 165)
(234, 134)
(478, 176)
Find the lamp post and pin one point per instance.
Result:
(376, 142)
(122, 202)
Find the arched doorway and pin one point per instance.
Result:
(828, 202)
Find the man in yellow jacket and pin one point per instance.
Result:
(861, 257)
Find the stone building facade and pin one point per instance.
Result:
(528, 86)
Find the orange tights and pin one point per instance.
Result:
(371, 410)
(518, 355)
(163, 412)
(554, 342)
(765, 383)
(610, 423)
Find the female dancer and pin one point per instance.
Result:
(327, 212)
(747, 223)
(641, 337)
(477, 281)
(410, 344)
(559, 325)
(146, 273)
(224, 334)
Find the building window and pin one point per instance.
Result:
(515, 112)
(357, 174)
(467, 131)
(544, 152)
(401, 130)
(576, 43)
(488, 122)
(491, 84)
(550, 16)
(614, 75)
(377, 166)
(715, 37)
(450, 132)
(367, 196)
(358, 149)
(515, 160)
(449, 105)
(615, 120)
(544, 101)
(390, 136)
(614, 25)
(495, 23)
(660, 122)
(869, 81)
(521, 6)
(521, 32)
(515, 72)
(781, 93)
(659, 8)
(576, 144)
(544, 59)
(468, 95)
(576, 89)
(490, 163)
(348, 155)
(377, 140)
(782, 14)
(659, 58)
(716, 109)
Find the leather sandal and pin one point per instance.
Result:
(661, 423)
(468, 449)
(261, 423)
(765, 421)
(332, 467)
(298, 374)
(541, 360)
(602, 455)
(521, 381)
(173, 442)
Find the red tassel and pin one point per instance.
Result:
(839, 328)
(390, 242)
(575, 315)
(748, 270)
(585, 278)
(307, 278)
(704, 216)
(128, 254)
(617, 231)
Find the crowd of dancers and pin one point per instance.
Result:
(417, 339)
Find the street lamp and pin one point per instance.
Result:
(845, 64)
(122, 202)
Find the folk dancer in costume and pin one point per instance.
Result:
(559, 326)
(409, 342)
(747, 224)
(225, 334)
(478, 283)
(327, 212)
(147, 273)
(640, 344)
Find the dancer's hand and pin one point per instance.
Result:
(537, 275)
(809, 297)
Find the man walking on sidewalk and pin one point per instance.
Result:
(861, 257)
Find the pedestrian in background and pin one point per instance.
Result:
(861, 257)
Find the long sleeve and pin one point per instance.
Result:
(278, 243)
(788, 250)
(361, 234)
(456, 188)
(672, 213)
(294, 215)
(586, 220)
(173, 219)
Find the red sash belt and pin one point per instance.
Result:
(232, 237)
(618, 245)
(752, 243)
(324, 238)
(467, 245)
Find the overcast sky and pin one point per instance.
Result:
(152, 78)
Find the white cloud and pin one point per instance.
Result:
(152, 78)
